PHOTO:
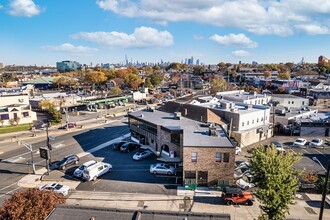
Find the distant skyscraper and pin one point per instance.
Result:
(197, 62)
(126, 59)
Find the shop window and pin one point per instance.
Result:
(193, 157)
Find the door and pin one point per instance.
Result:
(202, 178)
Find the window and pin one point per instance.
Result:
(175, 138)
(252, 121)
(217, 157)
(288, 102)
(257, 120)
(242, 124)
(303, 103)
(262, 118)
(193, 157)
(4, 117)
(248, 123)
(25, 114)
(292, 102)
(226, 157)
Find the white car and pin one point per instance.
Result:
(242, 164)
(316, 142)
(79, 171)
(161, 168)
(56, 187)
(142, 155)
(300, 142)
(244, 183)
(327, 199)
(93, 172)
(238, 150)
(279, 146)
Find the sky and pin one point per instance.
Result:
(39, 32)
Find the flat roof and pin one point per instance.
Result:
(194, 133)
(287, 96)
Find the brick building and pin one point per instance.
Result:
(206, 153)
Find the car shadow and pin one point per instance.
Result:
(209, 200)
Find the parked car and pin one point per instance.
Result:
(129, 146)
(245, 183)
(238, 150)
(142, 154)
(117, 145)
(244, 171)
(96, 170)
(68, 160)
(161, 168)
(56, 187)
(279, 146)
(300, 142)
(242, 164)
(236, 196)
(68, 125)
(316, 142)
(79, 171)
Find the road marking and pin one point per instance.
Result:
(56, 146)
(98, 180)
(320, 153)
(8, 186)
(14, 159)
(1, 152)
(101, 146)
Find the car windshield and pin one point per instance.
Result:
(82, 167)
(299, 140)
(166, 166)
(58, 186)
(316, 141)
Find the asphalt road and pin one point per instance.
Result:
(14, 163)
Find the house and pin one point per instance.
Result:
(206, 153)
(15, 109)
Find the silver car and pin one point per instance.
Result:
(161, 168)
(79, 171)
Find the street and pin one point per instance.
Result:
(15, 163)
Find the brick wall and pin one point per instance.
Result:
(164, 138)
(206, 162)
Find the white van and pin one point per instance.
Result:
(96, 170)
(79, 171)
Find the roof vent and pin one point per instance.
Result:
(212, 130)
(142, 115)
(177, 115)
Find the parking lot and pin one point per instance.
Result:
(127, 175)
(322, 154)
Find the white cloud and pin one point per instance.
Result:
(198, 37)
(142, 37)
(24, 8)
(239, 40)
(258, 16)
(67, 47)
(240, 53)
(313, 29)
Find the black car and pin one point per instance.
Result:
(68, 160)
(129, 146)
(117, 145)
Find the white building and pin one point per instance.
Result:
(245, 97)
(287, 100)
(248, 124)
(15, 109)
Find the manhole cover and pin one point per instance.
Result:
(310, 210)
(140, 203)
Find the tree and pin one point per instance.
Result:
(16, 120)
(31, 204)
(276, 180)
(218, 85)
(115, 90)
(285, 75)
(267, 74)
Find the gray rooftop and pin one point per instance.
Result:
(194, 133)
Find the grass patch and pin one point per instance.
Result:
(14, 128)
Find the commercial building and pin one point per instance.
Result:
(291, 101)
(15, 109)
(66, 66)
(206, 153)
(252, 98)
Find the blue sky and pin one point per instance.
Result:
(102, 31)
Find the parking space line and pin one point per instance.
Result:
(98, 180)
(320, 153)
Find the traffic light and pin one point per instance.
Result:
(44, 153)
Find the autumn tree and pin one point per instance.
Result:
(285, 75)
(115, 91)
(218, 85)
(276, 180)
(31, 204)
(267, 74)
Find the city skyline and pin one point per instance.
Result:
(105, 31)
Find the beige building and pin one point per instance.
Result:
(16, 109)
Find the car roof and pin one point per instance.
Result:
(89, 163)
(230, 190)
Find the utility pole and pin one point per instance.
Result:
(325, 190)
(49, 146)
(29, 146)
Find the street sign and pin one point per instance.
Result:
(44, 153)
